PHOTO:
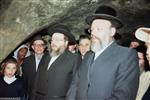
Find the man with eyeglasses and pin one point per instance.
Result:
(111, 72)
(53, 81)
(32, 63)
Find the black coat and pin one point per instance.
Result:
(29, 72)
(53, 84)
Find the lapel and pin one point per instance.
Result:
(107, 53)
(90, 62)
(44, 61)
(58, 61)
(103, 57)
(33, 64)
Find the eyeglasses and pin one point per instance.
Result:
(39, 45)
(57, 40)
(89, 30)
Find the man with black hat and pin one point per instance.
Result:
(53, 80)
(32, 63)
(111, 72)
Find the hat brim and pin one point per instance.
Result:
(141, 34)
(38, 37)
(115, 21)
(62, 31)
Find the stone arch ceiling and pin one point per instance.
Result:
(20, 19)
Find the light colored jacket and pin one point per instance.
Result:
(143, 85)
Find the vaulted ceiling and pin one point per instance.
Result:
(20, 19)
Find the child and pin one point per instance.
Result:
(10, 85)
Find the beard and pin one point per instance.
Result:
(57, 51)
(98, 45)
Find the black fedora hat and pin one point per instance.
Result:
(60, 28)
(105, 12)
(72, 41)
(37, 37)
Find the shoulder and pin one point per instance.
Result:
(27, 60)
(88, 53)
(29, 57)
(70, 53)
(73, 57)
(19, 81)
(19, 78)
(46, 54)
(125, 50)
(1, 77)
(123, 54)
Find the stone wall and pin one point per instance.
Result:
(19, 18)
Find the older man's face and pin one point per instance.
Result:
(101, 34)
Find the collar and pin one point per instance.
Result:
(38, 57)
(101, 51)
(9, 80)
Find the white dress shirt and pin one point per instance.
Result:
(101, 51)
(9, 80)
(37, 60)
(52, 60)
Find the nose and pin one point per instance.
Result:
(53, 43)
(11, 71)
(93, 36)
(83, 49)
(148, 53)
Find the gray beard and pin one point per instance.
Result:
(95, 47)
(56, 53)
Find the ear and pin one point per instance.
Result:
(113, 31)
(66, 42)
(32, 47)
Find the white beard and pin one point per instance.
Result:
(96, 46)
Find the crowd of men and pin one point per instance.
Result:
(95, 68)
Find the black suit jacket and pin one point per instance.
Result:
(55, 81)
(29, 72)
